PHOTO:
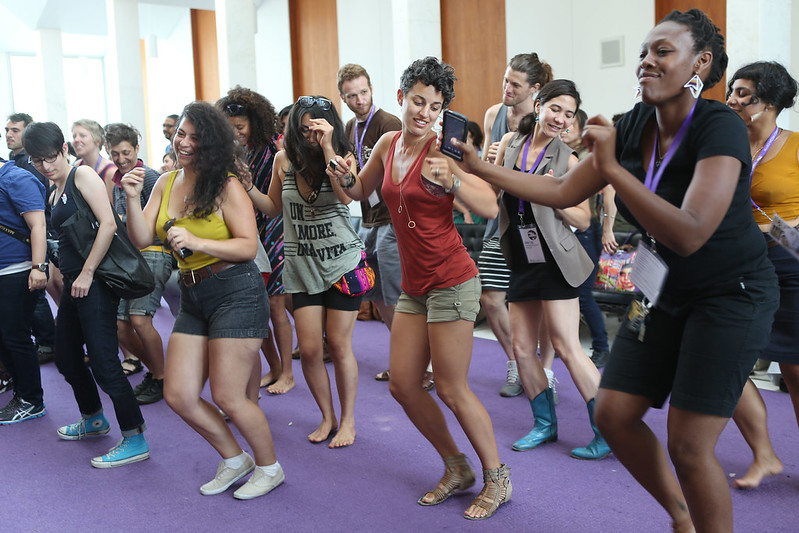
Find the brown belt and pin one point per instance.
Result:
(192, 277)
(771, 243)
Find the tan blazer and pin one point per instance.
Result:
(569, 254)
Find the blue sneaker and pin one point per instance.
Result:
(129, 450)
(95, 426)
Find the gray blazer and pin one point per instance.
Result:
(570, 256)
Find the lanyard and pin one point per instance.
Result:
(653, 178)
(532, 168)
(760, 156)
(359, 140)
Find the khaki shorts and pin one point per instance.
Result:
(461, 302)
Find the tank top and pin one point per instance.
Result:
(775, 184)
(211, 227)
(432, 254)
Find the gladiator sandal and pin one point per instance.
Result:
(458, 475)
(496, 491)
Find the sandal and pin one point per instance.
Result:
(496, 491)
(427, 381)
(135, 363)
(686, 526)
(383, 376)
(458, 476)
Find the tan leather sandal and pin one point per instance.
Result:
(458, 475)
(496, 491)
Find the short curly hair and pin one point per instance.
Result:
(430, 71)
(242, 102)
(350, 71)
(773, 84)
(707, 36)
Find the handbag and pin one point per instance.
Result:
(123, 269)
(358, 281)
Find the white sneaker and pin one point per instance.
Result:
(259, 484)
(226, 476)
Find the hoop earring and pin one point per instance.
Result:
(637, 94)
(695, 85)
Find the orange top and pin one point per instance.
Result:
(775, 184)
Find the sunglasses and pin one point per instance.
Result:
(234, 109)
(309, 101)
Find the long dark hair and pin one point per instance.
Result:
(214, 155)
(306, 158)
(551, 90)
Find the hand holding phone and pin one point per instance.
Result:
(454, 126)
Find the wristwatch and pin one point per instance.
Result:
(42, 267)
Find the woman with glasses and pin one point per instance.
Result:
(203, 214)
(88, 138)
(320, 246)
(87, 309)
(253, 119)
(434, 319)
(759, 92)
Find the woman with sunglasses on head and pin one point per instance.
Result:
(253, 119)
(547, 266)
(87, 309)
(320, 246)
(440, 297)
(88, 138)
(759, 92)
(203, 214)
(680, 168)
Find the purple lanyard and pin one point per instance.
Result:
(760, 156)
(359, 141)
(532, 168)
(653, 178)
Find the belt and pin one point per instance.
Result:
(193, 277)
(155, 248)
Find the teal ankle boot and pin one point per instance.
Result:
(597, 448)
(545, 428)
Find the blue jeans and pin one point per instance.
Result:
(16, 348)
(588, 306)
(91, 320)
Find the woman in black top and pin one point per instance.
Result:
(714, 312)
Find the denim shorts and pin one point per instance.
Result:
(162, 265)
(461, 302)
(229, 304)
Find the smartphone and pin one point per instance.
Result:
(454, 126)
(333, 165)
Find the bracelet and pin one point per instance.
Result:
(349, 181)
(456, 184)
(608, 216)
(251, 187)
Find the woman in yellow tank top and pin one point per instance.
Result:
(759, 92)
(203, 214)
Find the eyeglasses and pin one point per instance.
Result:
(234, 109)
(37, 161)
(309, 101)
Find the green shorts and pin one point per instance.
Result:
(461, 302)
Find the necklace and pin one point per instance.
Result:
(403, 170)
(756, 153)
(658, 157)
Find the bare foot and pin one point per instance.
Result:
(281, 386)
(344, 437)
(268, 379)
(759, 470)
(322, 433)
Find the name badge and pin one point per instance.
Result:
(532, 244)
(785, 235)
(374, 199)
(649, 272)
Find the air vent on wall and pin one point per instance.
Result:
(612, 52)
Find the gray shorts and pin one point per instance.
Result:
(229, 304)
(461, 302)
(162, 265)
(382, 254)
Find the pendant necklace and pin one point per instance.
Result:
(403, 170)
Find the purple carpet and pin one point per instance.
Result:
(49, 484)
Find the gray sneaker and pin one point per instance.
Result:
(225, 477)
(553, 384)
(259, 484)
(19, 410)
(512, 386)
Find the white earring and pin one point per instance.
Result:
(695, 85)
(637, 92)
